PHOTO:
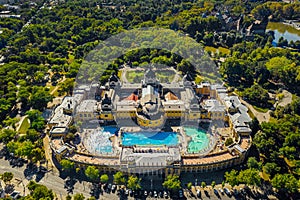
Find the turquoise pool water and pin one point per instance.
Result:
(199, 140)
(100, 140)
(150, 138)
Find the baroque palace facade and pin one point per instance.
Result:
(151, 105)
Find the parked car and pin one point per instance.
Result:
(145, 193)
(155, 194)
(216, 191)
(180, 193)
(243, 191)
(221, 190)
(109, 186)
(166, 194)
(198, 193)
(161, 194)
(130, 193)
(236, 192)
(113, 188)
(227, 191)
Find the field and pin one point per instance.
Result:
(24, 126)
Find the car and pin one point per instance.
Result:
(180, 193)
(221, 190)
(166, 194)
(126, 192)
(236, 192)
(242, 190)
(227, 191)
(216, 191)
(15, 195)
(130, 193)
(161, 194)
(113, 188)
(109, 186)
(198, 193)
(155, 194)
(151, 194)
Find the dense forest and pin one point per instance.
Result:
(59, 36)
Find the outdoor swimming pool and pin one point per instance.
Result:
(98, 141)
(150, 138)
(199, 141)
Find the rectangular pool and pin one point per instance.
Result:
(150, 138)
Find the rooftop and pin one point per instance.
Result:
(87, 106)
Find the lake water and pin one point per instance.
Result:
(282, 30)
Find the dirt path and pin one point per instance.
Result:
(261, 117)
(287, 99)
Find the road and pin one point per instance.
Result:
(261, 116)
(54, 182)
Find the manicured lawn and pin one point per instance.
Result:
(137, 76)
(24, 126)
(134, 76)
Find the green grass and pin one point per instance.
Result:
(134, 76)
(137, 76)
(263, 110)
(217, 50)
(24, 126)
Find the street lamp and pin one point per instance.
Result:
(151, 185)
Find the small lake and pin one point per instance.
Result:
(283, 30)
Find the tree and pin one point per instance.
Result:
(228, 141)
(249, 177)
(172, 182)
(7, 177)
(40, 97)
(38, 191)
(232, 177)
(67, 165)
(104, 178)
(78, 197)
(203, 184)
(32, 134)
(256, 95)
(252, 163)
(92, 173)
(189, 185)
(11, 122)
(7, 135)
(37, 154)
(134, 183)
(119, 178)
(285, 183)
(68, 197)
(271, 168)
(213, 184)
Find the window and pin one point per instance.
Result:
(105, 115)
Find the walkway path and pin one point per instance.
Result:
(261, 116)
(287, 99)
